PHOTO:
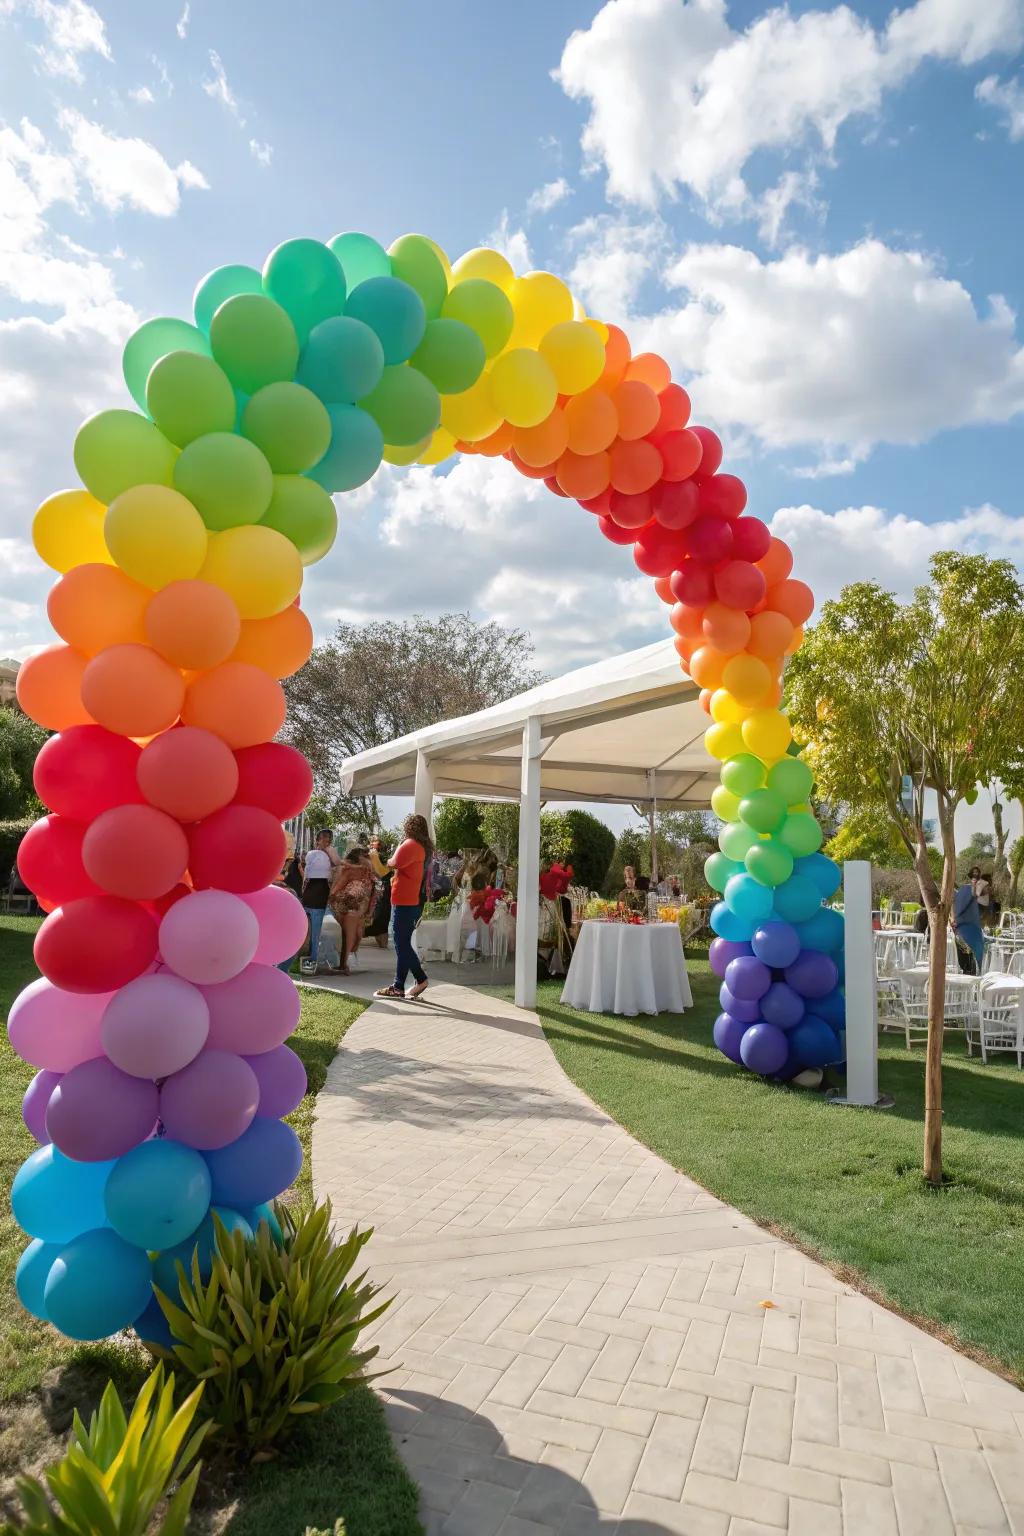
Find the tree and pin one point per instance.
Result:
(373, 682)
(685, 827)
(20, 742)
(566, 837)
(632, 846)
(980, 850)
(499, 823)
(457, 825)
(1016, 868)
(869, 834)
(932, 690)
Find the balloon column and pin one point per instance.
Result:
(158, 1026)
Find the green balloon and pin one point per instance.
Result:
(115, 450)
(226, 479)
(306, 280)
(763, 809)
(743, 773)
(405, 405)
(736, 840)
(150, 343)
(484, 308)
(254, 341)
(718, 870)
(361, 257)
(451, 355)
(770, 863)
(801, 834)
(304, 513)
(792, 779)
(188, 396)
(218, 286)
(289, 426)
(415, 261)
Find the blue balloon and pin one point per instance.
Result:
(764, 1048)
(54, 1198)
(265, 1213)
(31, 1276)
(728, 1032)
(152, 1327)
(782, 1006)
(392, 309)
(812, 974)
(776, 943)
(203, 1238)
(747, 897)
(832, 1008)
(825, 931)
(797, 899)
(825, 872)
(728, 925)
(745, 1010)
(157, 1194)
(357, 447)
(342, 361)
(97, 1285)
(814, 1042)
(259, 1166)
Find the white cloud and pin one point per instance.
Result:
(548, 196)
(181, 26)
(126, 172)
(143, 96)
(1007, 97)
(613, 259)
(218, 88)
(512, 243)
(263, 153)
(72, 28)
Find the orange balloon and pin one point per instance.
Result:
(747, 678)
(532, 471)
(796, 642)
(93, 606)
(705, 700)
(192, 624)
(635, 466)
(777, 563)
(279, 645)
(684, 647)
(237, 702)
(793, 598)
(132, 691)
(650, 369)
(686, 621)
(616, 358)
(637, 407)
(728, 629)
(49, 688)
(545, 443)
(664, 591)
(583, 475)
(774, 695)
(188, 773)
(770, 634)
(707, 666)
(592, 420)
(499, 442)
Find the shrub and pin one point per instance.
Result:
(339, 1530)
(11, 834)
(273, 1331)
(457, 825)
(586, 843)
(116, 1472)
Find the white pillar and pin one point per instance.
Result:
(528, 887)
(861, 996)
(423, 793)
(652, 821)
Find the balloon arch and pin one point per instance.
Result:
(160, 1020)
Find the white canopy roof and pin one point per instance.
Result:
(604, 729)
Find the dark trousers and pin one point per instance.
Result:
(406, 958)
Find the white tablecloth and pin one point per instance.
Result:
(430, 938)
(628, 968)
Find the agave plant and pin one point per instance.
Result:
(272, 1332)
(115, 1473)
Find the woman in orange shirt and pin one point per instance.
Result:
(408, 893)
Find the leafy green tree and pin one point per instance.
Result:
(566, 837)
(1016, 862)
(20, 743)
(499, 823)
(632, 846)
(457, 825)
(980, 850)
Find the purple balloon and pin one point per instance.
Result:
(282, 1080)
(728, 1033)
(722, 952)
(764, 1048)
(741, 1008)
(812, 974)
(815, 1043)
(34, 1104)
(253, 1012)
(211, 1102)
(98, 1112)
(257, 1167)
(748, 978)
(782, 1006)
(776, 943)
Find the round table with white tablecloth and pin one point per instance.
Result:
(628, 968)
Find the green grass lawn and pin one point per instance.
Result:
(340, 1463)
(843, 1183)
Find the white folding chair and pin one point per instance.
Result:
(959, 1005)
(999, 1024)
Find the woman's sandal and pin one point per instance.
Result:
(390, 992)
(418, 990)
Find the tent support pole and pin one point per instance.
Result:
(652, 814)
(528, 887)
(423, 791)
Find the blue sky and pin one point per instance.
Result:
(814, 211)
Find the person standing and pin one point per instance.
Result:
(408, 894)
(317, 869)
(350, 898)
(966, 924)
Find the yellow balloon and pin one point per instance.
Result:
(256, 566)
(725, 709)
(401, 456)
(155, 535)
(598, 327)
(67, 531)
(442, 257)
(578, 311)
(723, 740)
(766, 732)
(440, 447)
(523, 387)
(725, 804)
(490, 265)
(539, 301)
(575, 355)
(473, 414)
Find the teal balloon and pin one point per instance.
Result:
(405, 405)
(797, 899)
(735, 840)
(152, 341)
(265, 1213)
(306, 279)
(395, 312)
(203, 1238)
(743, 773)
(763, 809)
(451, 355)
(719, 870)
(157, 1194)
(748, 898)
(31, 1276)
(218, 286)
(361, 258)
(769, 861)
(355, 452)
(826, 931)
(801, 834)
(792, 779)
(342, 361)
(825, 873)
(97, 1285)
(55, 1199)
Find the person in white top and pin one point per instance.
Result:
(318, 867)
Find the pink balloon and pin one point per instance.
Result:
(282, 920)
(33, 1105)
(209, 936)
(98, 1112)
(54, 1029)
(211, 1102)
(282, 1080)
(155, 1025)
(253, 1012)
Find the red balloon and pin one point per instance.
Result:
(553, 485)
(662, 585)
(676, 503)
(50, 861)
(692, 583)
(722, 496)
(750, 538)
(657, 551)
(675, 411)
(599, 504)
(631, 511)
(708, 539)
(188, 772)
(616, 534)
(711, 450)
(164, 903)
(135, 851)
(274, 777)
(96, 945)
(86, 770)
(739, 584)
(240, 848)
(681, 454)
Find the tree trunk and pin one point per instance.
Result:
(1002, 832)
(939, 920)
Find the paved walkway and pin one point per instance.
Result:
(584, 1341)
